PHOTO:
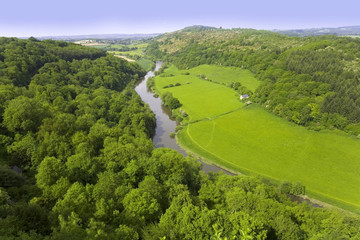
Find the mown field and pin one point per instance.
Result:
(250, 140)
(227, 74)
(140, 49)
(146, 64)
(131, 55)
(213, 99)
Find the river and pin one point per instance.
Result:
(165, 125)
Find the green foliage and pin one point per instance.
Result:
(220, 129)
(170, 101)
(10, 178)
(24, 114)
(305, 80)
(82, 138)
(290, 188)
(50, 170)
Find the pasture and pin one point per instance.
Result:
(227, 75)
(200, 99)
(250, 140)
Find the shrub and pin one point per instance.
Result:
(286, 187)
(179, 118)
(298, 189)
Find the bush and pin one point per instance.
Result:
(298, 189)
(167, 75)
(179, 118)
(172, 135)
(177, 84)
(173, 103)
(174, 115)
(170, 101)
(150, 83)
(290, 188)
(286, 187)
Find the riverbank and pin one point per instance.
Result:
(164, 124)
(254, 141)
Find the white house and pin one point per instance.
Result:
(244, 97)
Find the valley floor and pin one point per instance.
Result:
(250, 140)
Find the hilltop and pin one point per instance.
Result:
(340, 31)
(310, 81)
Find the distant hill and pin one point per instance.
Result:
(312, 81)
(101, 36)
(340, 31)
(197, 28)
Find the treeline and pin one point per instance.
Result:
(311, 81)
(77, 162)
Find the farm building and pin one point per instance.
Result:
(244, 97)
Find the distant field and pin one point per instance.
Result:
(131, 55)
(137, 52)
(227, 75)
(200, 98)
(118, 49)
(248, 139)
(146, 64)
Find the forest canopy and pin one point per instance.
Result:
(313, 81)
(77, 162)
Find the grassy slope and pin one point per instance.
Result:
(141, 47)
(227, 75)
(251, 140)
(146, 64)
(213, 99)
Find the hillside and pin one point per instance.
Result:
(241, 137)
(340, 31)
(311, 81)
(77, 162)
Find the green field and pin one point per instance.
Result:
(213, 99)
(227, 75)
(250, 140)
(137, 52)
(146, 64)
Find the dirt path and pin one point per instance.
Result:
(126, 58)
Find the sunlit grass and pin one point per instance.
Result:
(250, 140)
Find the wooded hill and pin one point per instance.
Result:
(311, 81)
(77, 162)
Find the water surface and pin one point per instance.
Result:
(165, 125)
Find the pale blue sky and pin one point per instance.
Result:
(37, 18)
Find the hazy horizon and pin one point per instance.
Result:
(41, 18)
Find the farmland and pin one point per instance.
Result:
(132, 51)
(250, 140)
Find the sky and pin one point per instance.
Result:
(24, 18)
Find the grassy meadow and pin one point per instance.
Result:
(250, 140)
(140, 49)
(227, 75)
(146, 64)
(213, 99)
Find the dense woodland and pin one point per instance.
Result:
(311, 81)
(77, 162)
